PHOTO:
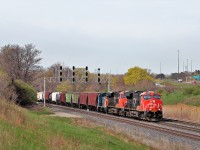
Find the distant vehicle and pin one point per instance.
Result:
(157, 84)
(180, 80)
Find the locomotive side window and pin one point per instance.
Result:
(146, 97)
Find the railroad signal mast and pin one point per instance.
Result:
(73, 74)
(86, 74)
(60, 75)
(99, 80)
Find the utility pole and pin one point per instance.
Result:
(178, 61)
(160, 67)
(187, 66)
(44, 91)
(191, 66)
(108, 83)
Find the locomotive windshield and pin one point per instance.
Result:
(147, 97)
(157, 96)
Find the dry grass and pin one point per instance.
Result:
(183, 112)
(11, 113)
(84, 123)
(57, 142)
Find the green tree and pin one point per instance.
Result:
(25, 92)
(135, 75)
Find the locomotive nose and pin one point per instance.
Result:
(153, 106)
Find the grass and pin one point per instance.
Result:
(177, 93)
(23, 129)
(182, 103)
(182, 112)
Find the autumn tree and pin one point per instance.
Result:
(117, 83)
(135, 75)
(20, 62)
(7, 91)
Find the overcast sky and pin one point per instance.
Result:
(113, 35)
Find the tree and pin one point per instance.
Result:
(7, 90)
(20, 62)
(117, 83)
(135, 75)
(25, 92)
(160, 76)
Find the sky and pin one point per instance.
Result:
(113, 35)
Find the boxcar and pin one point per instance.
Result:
(40, 96)
(62, 98)
(55, 97)
(83, 100)
(68, 99)
(75, 99)
(47, 96)
(92, 101)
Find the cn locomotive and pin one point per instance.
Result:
(133, 104)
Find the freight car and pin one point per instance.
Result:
(40, 96)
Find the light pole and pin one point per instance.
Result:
(178, 65)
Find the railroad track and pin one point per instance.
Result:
(176, 130)
(182, 122)
(189, 126)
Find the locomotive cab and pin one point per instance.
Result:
(150, 106)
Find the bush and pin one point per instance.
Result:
(192, 91)
(26, 93)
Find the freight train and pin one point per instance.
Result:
(133, 104)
